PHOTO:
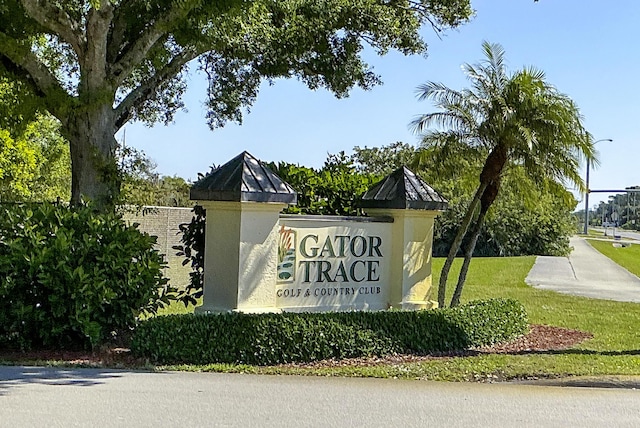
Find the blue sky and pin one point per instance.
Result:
(586, 48)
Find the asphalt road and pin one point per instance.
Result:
(47, 397)
(624, 233)
(628, 234)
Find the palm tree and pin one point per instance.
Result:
(516, 119)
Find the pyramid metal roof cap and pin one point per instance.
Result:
(403, 189)
(243, 179)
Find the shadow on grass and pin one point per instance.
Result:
(568, 351)
(473, 353)
(582, 352)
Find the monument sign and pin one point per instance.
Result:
(258, 260)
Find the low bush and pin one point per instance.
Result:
(70, 278)
(267, 339)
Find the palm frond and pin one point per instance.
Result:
(437, 92)
(541, 127)
(444, 120)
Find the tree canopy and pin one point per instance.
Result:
(95, 65)
(143, 186)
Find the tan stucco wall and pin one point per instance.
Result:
(164, 222)
(411, 261)
(241, 256)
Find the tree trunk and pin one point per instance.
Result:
(491, 171)
(475, 233)
(457, 242)
(90, 131)
(488, 197)
(494, 164)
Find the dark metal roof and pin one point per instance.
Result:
(334, 218)
(243, 179)
(402, 189)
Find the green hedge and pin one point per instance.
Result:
(72, 278)
(266, 339)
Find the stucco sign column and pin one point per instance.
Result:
(413, 204)
(243, 200)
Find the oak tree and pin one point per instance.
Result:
(98, 64)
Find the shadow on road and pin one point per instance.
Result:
(13, 376)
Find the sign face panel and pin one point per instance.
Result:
(327, 263)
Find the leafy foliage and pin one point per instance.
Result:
(265, 339)
(143, 186)
(529, 221)
(72, 278)
(384, 160)
(17, 167)
(34, 162)
(18, 107)
(515, 228)
(53, 178)
(192, 249)
(335, 189)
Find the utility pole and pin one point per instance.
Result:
(586, 194)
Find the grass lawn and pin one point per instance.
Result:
(628, 257)
(614, 350)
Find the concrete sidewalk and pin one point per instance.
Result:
(585, 273)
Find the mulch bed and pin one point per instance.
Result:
(541, 338)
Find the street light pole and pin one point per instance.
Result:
(586, 195)
(586, 202)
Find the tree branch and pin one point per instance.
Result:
(117, 40)
(98, 22)
(146, 90)
(137, 51)
(420, 8)
(55, 19)
(27, 66)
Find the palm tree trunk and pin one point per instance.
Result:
(488, 197)
(475, 233)
(493, 166)
(457, 242)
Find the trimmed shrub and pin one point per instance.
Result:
(70, 278)
(267, 339)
